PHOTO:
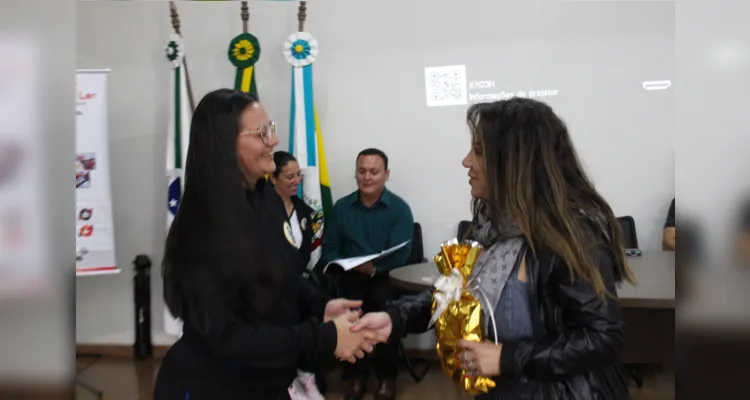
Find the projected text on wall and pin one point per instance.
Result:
(448, 86)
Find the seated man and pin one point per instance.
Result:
(368, 221)
(668, 236)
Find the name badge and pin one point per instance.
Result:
(289, 234)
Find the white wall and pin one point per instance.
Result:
(370, 92)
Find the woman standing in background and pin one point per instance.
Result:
(286, 179)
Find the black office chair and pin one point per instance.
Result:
(629, 236)
(417, 367)
(463, 229)
(630, 241)
(417, 246)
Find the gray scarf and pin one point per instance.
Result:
(502, 246)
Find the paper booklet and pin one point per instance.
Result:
(349, 263)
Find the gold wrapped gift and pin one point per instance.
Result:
(456, 312)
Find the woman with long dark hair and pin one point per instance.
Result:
(250, 321)
(552, 257)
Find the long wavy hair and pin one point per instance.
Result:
(215, 256)
(534, 175)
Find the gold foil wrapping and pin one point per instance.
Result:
(462, 319)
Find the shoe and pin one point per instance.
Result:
(355, 390)
(296, 391)
(386, 390)
(307, 382)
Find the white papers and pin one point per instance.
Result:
(349, 263)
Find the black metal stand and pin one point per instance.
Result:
(96, 392)
(142, 348)
(411, 364)
(635, 373)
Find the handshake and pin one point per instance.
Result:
(356, 336)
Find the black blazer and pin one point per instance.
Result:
(243, 356)
(304, 216)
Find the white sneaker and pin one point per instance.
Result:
(297, 391)
(307, 380)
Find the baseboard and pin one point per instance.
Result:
(116, 350)
(35, 392)
(126, 351)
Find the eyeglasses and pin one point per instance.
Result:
(267, 133)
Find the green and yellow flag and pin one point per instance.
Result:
(244, 52)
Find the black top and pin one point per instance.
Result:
(243, 356)
(669, 223)
(304, 218)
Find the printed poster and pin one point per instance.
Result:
(95, 243)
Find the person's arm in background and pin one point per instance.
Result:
(402, 230)
(668, 236)
(743, 236)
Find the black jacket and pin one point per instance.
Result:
(304, 216)
(577, 341)
(244, 357)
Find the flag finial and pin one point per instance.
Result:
(245, 16)
(302, 15)
(175, 17)
(176, 26)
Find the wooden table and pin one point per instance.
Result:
(648, 308)
(654, 271)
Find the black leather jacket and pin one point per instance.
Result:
(578, 338)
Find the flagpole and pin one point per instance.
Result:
(301, 15)
(176, 26)
(245, 16)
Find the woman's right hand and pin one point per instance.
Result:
(353, 345)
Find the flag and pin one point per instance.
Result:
(305, 138)
(178, 135)
(244, 52)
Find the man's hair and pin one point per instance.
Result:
(374, 152)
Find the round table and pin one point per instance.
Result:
(654, 272)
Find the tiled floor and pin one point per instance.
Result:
(124, 379)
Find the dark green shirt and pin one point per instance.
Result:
(355, 230)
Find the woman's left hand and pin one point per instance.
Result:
(480, 358)
(337, 307)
